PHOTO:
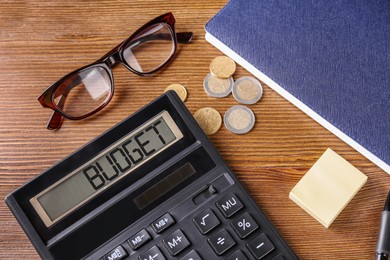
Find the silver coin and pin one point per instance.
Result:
(247, 90)
(239, 119)
(217, 87)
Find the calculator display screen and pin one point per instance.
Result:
(115, 162)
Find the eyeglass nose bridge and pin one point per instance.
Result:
(112, 59)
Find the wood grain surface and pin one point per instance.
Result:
(40, 41)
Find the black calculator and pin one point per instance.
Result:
(153, 187)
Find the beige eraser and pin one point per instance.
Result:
(326, 189)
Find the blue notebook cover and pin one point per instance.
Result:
(331, 58)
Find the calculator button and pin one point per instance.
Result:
(260, 246)
(221, 242)
(153, 253)
(162, 223)
(193, 255)
(139, 239)
(229, 205)
(278, 257)
(176, 242)
(244, 225)
(238, 255)
(116, 254)
(206, 221)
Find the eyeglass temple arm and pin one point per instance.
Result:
(184, 37)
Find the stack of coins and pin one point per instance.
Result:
(219, 82)
(246, 90)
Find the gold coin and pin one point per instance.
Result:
(222, 67)
(209, 120)
(179, 89)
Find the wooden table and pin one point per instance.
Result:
(40, 41)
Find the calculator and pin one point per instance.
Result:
(153, 187)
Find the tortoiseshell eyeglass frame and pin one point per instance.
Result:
(113, 57)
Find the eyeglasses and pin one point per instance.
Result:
(89, 89)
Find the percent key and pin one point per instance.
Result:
(244, 225)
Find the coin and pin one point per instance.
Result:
(179, 89)
(209, 120)
(217, 87)
(222, 67)
(239, 119)
(247, 90)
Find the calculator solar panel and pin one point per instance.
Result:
(152, 187)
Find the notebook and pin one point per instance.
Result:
(330, 58)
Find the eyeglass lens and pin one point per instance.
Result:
(83, 92)
(89, 89)
(149, 49)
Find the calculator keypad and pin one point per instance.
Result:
(226, 226)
